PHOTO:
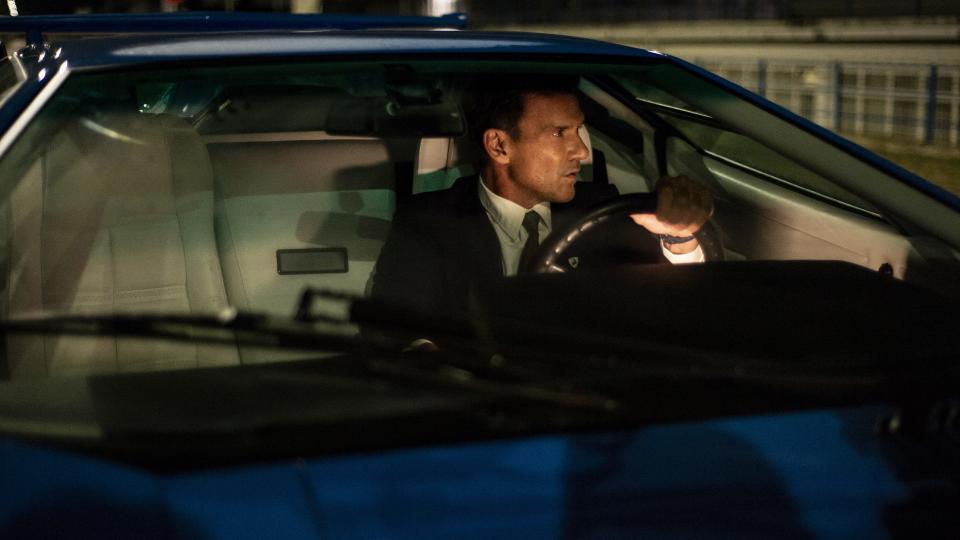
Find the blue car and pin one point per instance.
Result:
(195, 212)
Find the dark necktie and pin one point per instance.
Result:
(531, 222)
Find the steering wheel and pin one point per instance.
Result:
(556, 245)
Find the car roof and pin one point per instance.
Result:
(148, 38)
(125, 50)
(198, 21)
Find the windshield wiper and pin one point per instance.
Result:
(446, 371)
(228, 327)
(313, 332)
(529, 354)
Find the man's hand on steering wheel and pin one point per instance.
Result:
(683, 206)
(679, 207)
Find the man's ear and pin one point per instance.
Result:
(496, 143)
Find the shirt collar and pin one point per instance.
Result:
(507, 214)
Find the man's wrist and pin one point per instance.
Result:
(679, 244)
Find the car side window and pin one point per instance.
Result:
(743, 151)
(624, 165)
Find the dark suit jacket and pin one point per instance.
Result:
(442, 244)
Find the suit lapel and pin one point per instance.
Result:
(476, 240)
(481, 248)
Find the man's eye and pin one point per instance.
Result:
(558, 133)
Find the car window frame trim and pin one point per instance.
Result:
(783, 182)
(18, 72)
(679, 111)
(49, 85)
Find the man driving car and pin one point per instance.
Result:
(444, 243)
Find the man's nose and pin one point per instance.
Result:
(580, 150)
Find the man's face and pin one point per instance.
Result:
(546, 155)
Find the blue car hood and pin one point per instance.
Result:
(822, 474)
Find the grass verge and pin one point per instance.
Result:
(939, 165)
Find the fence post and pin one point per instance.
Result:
(931, 104)
(762, 77)
(837, 96)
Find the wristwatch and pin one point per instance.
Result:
(667, 239)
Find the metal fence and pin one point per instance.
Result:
(496, 12)
(915, 102)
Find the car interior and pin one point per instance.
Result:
(243, 194)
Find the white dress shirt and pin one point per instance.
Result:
(506, 217)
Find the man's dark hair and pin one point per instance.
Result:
(497, 102)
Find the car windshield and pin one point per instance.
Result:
(188, 190)
(177, 218)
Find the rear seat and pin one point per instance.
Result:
(440, 161)
(305, 191)
(115, 216)
(277, 195)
